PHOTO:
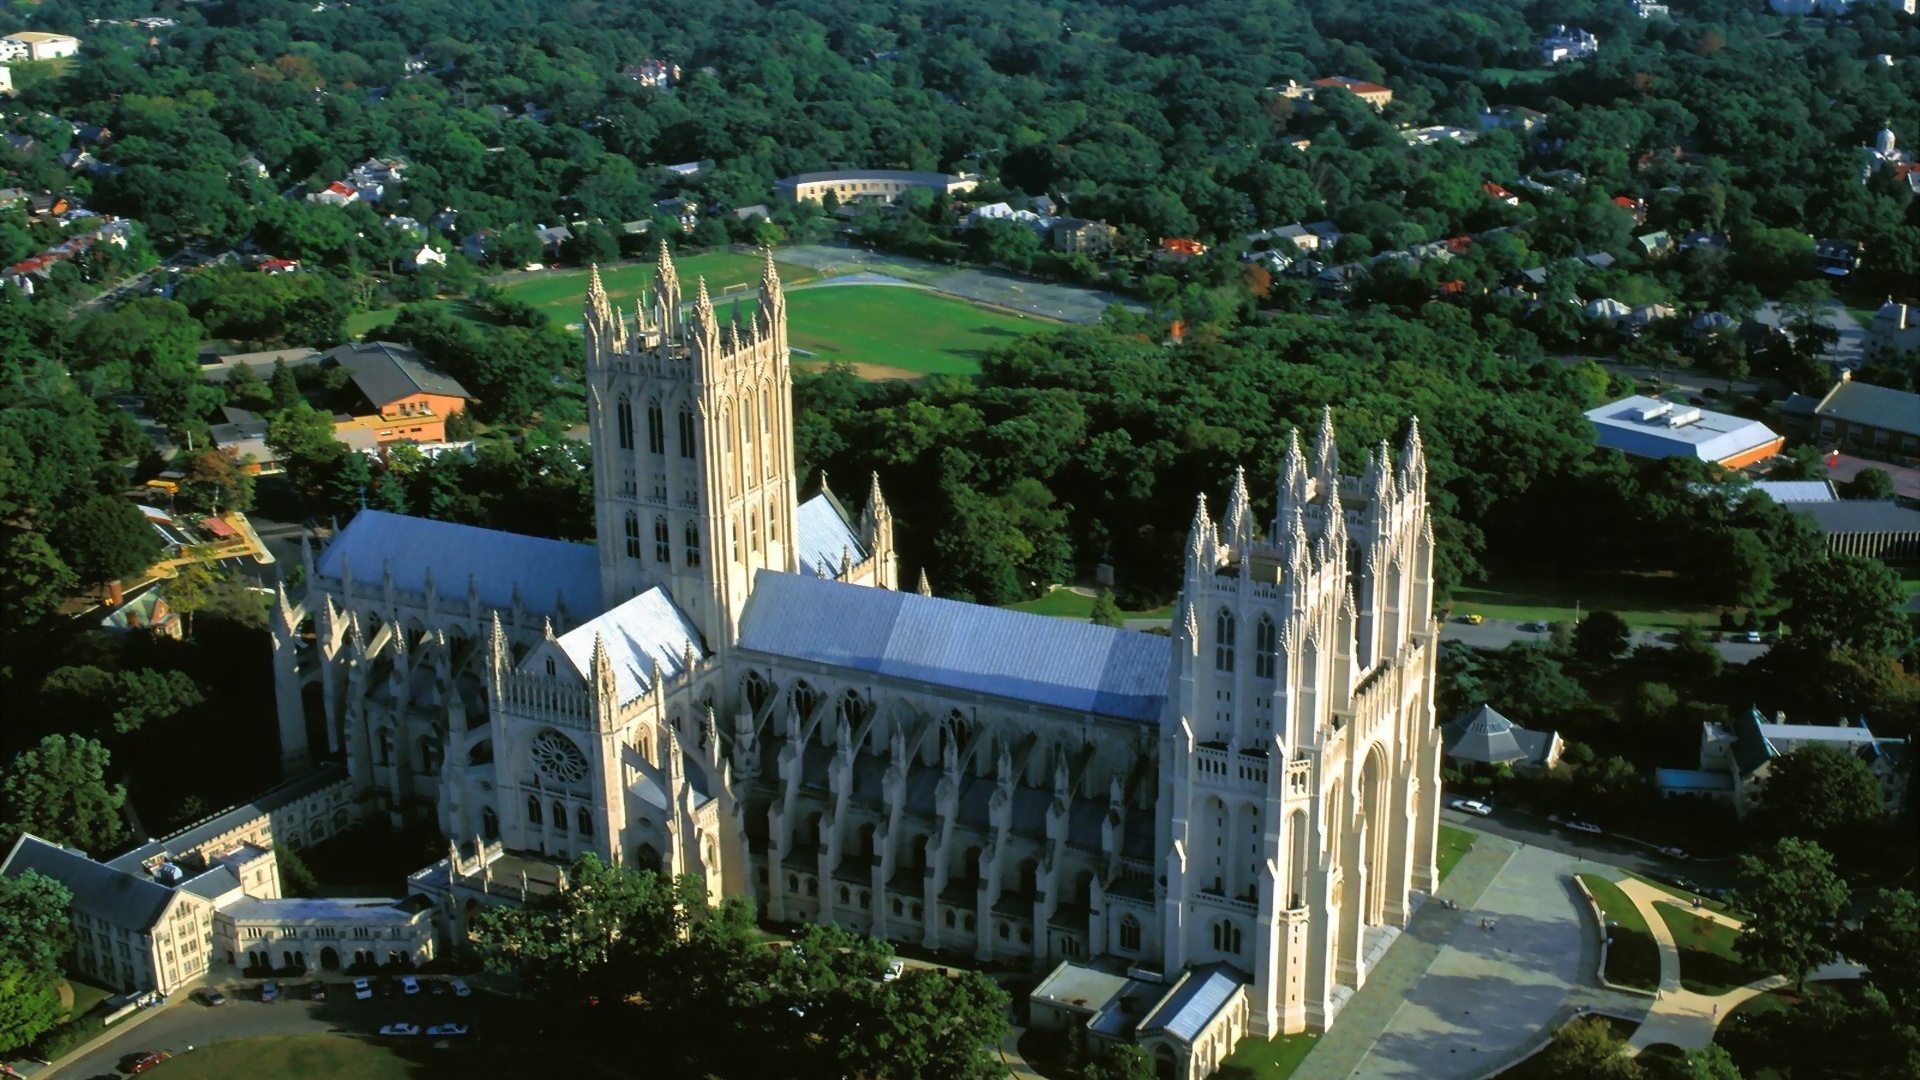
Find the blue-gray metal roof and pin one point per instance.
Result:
(132, 901)
(822, 535)
(1009, 654)
(647, 628)
(1710, 436)
(496, 561)
(1185, 1012)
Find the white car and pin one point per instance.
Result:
(1471, 806)
(460, 988)
(363, 988)
(400, 1029)
(1583, 826)
(447, 1029)
(409, 984)
(894, 970)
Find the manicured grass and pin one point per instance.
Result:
(1633, 959)
(891, 331)
(328, 1057)
(1454, 845)
(1683, 895)
(1269, 1059)
(1708, 964)
(560, 292)
(85, 996)
(1067, 604)
(1645, 604)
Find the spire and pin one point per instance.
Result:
(876, 502)
(605, 685)
(668, 282)
(925, 589)
(1326, 453)
(1293, 482)
(773, 301)
(597, 304)
(1380, 486)
(1413, 462)
(1238, 520)
(706, 342)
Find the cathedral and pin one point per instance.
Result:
(1218, 831)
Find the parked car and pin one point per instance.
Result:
(460, 988)
(1471, 806)
(409, 984)
(400, 1029)
(1753, 637)
(269, 992)
(1534, 627)
(142, 1061)
(1474, 619)
(208, 996)
(362, 988)
(447, 1029)
(1583, 827)
(895, 968)
(316, 991)
(1675, 853)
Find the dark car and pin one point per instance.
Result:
(269, 992)
(316, 991)
(210, 997)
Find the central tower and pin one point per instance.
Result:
(691, 421)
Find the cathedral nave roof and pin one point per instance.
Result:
(376, 542)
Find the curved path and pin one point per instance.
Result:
(1682, 1017)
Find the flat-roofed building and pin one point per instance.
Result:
(1650, 428)
(869, 185)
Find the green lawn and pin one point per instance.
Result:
(1067, 604)
(560, 293)
(892, 331)
(1633, 959)
(1708, 964)
(1682, 894)
(1268, 1059)
(85, 996)
(1454, 845)
(363, 323)
(1645, 603)
(328, 1057)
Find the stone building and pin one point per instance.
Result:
(730, 683)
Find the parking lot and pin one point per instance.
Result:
(188, 1022)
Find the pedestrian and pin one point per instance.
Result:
(1716, 1012)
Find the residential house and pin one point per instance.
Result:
(659, 74)
(1649, 9)
(1484, 737)
(1872, 420)
(687, 170)
(1655, 245)
(552, 239)
(1327, 231)
(275, 265)
(1336, 282)
(1635, 206)
(1438, 133)
(1645, 315)
(1711, 324)
(413, 398)
(756, 212)
(1895, 330)
(1079, 236)
(1294, 235)
(1599, 260)
(1180, 249)
(1370, 92)
(1746, 749)
(1044, 206)
(252, 166)
(1606, 310)
(1499, 194)
(1567, 43)
(37, 45)
(245, 433)
(1838, 258)
(424, 256)
(335, 194)
(474, 245)
(681, 209)
(1515, 117)
(1004, 212)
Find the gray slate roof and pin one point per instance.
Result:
(203, 831)
(1873, 406)
(387, 372)
(495, 561)
(1186, 1011)
(1850, 516)
(1009, 654)
(1482, 734)
(120, 899)
(643, 630)
(822, 534)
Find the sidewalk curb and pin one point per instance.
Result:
(107, 1035)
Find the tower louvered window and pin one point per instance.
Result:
(633, 535)
(693, 544)
(662, 540)
(1265, 644)
(686, 432)
(623, 421)
(1223, 631)
(656, 428)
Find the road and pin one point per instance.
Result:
(1499, 633)
(1638, 856)
(186, 1023)
(1848, 351)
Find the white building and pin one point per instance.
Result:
(731, 684)
(1568, 43)
(37, 45)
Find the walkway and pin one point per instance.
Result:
(1682, 1017)
(1370, 1012)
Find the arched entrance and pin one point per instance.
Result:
(1373, 840)
(329, 959)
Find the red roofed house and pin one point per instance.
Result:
(1176, 248)
(336, 194)
(1372, 93)
(1636, 207)
(278, 266)
(1500, 194)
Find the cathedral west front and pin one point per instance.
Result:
(1205, 835)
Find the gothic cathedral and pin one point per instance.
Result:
(730, 683)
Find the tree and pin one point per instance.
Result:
(216, 482)
(1120, 1062)
(1870, 483)
(1587, 1049)
(1796, 900)
(1709, 1062)
(284, 389)
(1845, 600)
(34, 927)
(105, 539)
(33, 581)
(1600, 637)
(302, 438)
(1888, 943)
(29, 1004)
(1820, 792)
(59, 792)
(1105, 611)
(194, 585)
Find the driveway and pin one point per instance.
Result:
(1848, 352)
(1499, 633)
